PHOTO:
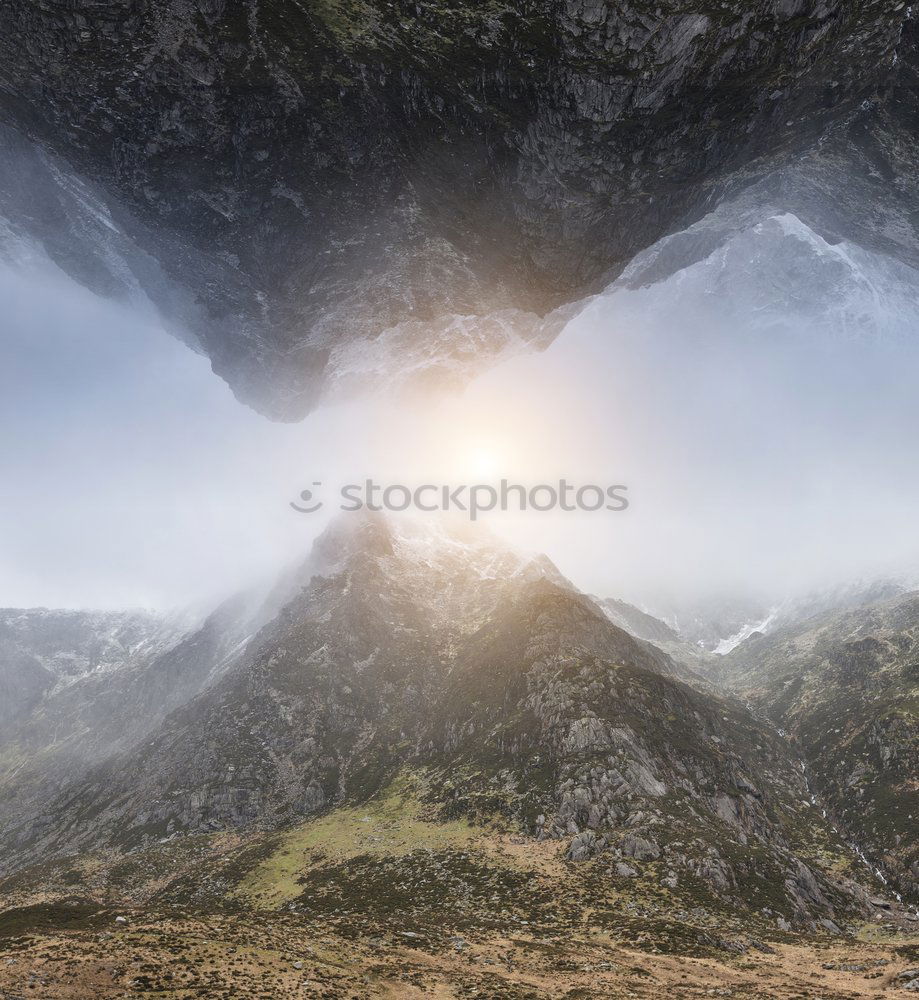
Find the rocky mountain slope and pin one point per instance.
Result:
(44, 651)
(321, 194)
(637, 622)
(423, 764)
(845, 687)
(501, 695)
(81, 686)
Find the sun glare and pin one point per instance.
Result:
(482, 463)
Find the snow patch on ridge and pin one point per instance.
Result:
(733, 641)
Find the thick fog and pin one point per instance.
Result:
(760, 406)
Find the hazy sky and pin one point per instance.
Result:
(761, 455)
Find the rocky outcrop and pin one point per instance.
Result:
(322, 194)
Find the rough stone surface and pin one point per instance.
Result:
(322, 195)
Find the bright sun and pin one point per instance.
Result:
(483, 463)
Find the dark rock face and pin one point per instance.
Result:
(314, 190)
(511, 692)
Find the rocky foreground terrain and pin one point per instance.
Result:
(426, 765)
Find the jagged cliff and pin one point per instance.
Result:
(323, 193)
